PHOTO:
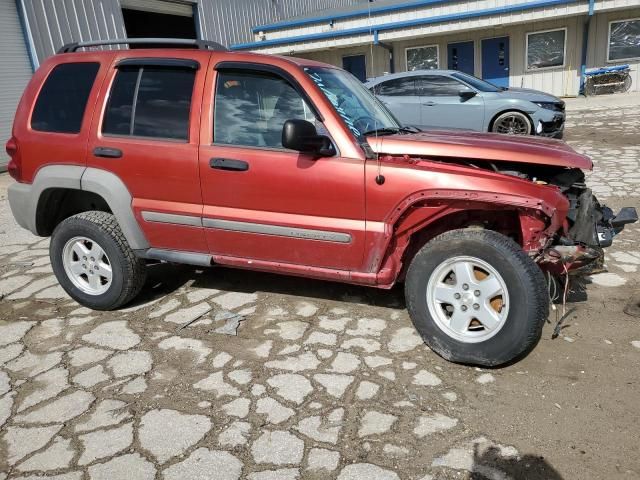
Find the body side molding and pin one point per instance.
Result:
(278, 230)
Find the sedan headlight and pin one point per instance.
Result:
(555, 106)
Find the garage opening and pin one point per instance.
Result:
(159, 19)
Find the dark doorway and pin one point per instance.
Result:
(356, 65)
(141, 24)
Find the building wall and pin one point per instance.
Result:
(561, 81)
(231, 21)
(53, 23)
(598, 39)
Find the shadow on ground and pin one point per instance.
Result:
(164, 279)
(491, 465)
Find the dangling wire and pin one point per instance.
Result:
(379, 177)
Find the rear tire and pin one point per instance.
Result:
(514, 326)
(93, 261)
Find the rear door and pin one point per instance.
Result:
(262, 201)
(401, 96)
(444, 107)
(147, 133)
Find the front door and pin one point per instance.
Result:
(356, 65)
(444, 107)
(264, 202)
(460, 57)
(495, 61)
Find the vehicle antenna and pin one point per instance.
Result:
(379, 177)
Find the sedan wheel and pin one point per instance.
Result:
(512, 123)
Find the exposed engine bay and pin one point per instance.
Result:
(589, 227)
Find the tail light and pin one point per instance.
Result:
(15, 164)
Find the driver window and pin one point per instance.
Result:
(251, 108)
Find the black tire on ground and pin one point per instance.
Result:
(526, 286)
(128, 271)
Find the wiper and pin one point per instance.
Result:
(410, 129)
(382, 131)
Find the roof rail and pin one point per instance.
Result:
(200, 44)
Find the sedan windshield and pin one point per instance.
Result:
(476, 83)
(359, 109)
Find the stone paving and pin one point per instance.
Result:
(334, 384)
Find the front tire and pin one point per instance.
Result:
(512, 123)
(93, 261)
(476, 298)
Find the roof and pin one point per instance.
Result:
(410, 73)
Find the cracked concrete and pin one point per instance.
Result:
(322, 381)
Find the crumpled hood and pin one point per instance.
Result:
(469, 145)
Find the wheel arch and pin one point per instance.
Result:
(527, 221)
(59, 191)
(511, 108)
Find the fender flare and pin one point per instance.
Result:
(116, 194)
(25, 198)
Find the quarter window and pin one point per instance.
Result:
(63, 99)
(151, 102)
(546, 49)
(251, 108)
(440, 86)
(624, 40)
(422, 58)
(398, 87)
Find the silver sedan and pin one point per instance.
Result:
(451, 99)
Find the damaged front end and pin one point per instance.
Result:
(577, 249)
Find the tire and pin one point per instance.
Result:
(523, 307)
(512, 123)
(75, 244)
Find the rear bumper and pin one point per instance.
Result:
(22, 205)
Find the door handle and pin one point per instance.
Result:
(429, 104)
(107, 152)
(229, 164)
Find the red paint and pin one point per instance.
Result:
(421, 195)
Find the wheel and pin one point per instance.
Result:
(476, 298)
(627, 83)
(93, 261)
(512, 123)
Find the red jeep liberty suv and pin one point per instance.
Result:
(208, 157)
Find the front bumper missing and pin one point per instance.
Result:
(581, 250)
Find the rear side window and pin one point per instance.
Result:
(398, 87)
(440, 86)
(150, 102)
(63, 99)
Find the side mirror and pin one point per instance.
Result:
(302, 136)
(466, 94)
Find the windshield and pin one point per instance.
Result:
(359, 109)
(476, 83)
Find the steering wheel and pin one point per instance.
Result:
(365, 124)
